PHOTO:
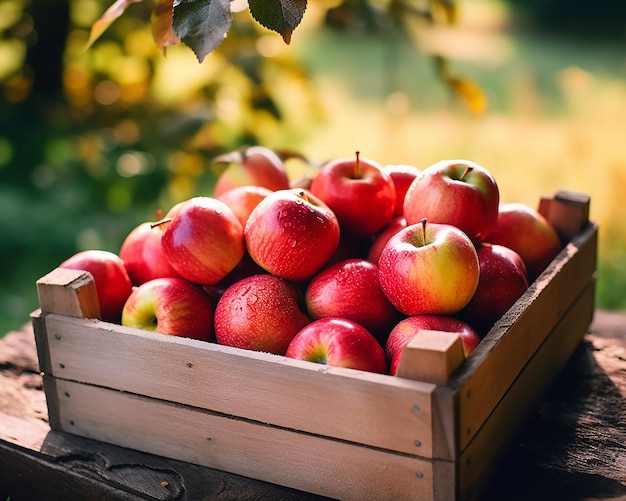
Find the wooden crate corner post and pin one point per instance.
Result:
(65, 292)
(68, 292)
(567, 211)
(431, 356)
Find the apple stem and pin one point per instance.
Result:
(423, 221)
(160, 222)
(467, 170)
(357, 165)
(302, 194)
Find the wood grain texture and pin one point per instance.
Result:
(573, 447)
(333, 468)
(69, 292)
(431, 356)
(522, 397)
(258, 386)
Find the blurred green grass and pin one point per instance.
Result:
(557, 112)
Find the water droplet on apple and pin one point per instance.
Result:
(292, 242)
(287, 224)
(252, 298)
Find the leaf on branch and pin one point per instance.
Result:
(448, 8)
(468, 90)
(471, 93)
(161, 24)
(110, 15)
(281, 16)
(201, 24)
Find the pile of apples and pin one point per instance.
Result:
(343, 269)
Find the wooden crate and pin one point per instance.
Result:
(341, 433)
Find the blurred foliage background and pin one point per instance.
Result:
(93, 142)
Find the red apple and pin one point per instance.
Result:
(291, 234)
(359, 192)
(503, 279)
(351, 289)
(253, 165)
(527, 232)
(259, 313)
(403, 176)
(243, 199)
(143, 255)
(204, 240)
(110, 277)
(456, 192)
(171, 306)
(429, 268)
(406, 329)
(338, 342)
(376, 247)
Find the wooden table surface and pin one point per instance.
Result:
(572, 448)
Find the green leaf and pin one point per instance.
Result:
(201, 24)
(281, 16)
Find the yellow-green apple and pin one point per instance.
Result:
(172, 306)
(359, 192)
(260, 313)
(338, 342)
(251, 165)
(111, 279)
(429, 268)
(380, 240)
(351, 289)
(403, 175)
(291, 233)
(204, 240)
(243, 199)
(457, 192)
(527, 232)
(503, 279)
(408, 328)
(143, 255)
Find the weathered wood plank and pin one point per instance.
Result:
(277, 390)
(281, 456)
(573, 447)
(522, 397)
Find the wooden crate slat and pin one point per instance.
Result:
(381, 410)
(497, 360)
(476, 462)
(315, 464)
